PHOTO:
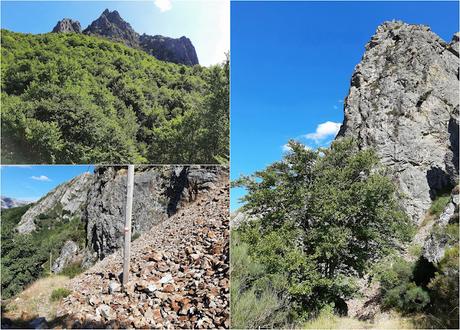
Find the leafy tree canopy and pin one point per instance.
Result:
(325, 216)
(72, 98)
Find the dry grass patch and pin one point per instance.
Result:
(382, 321)
(36, 299)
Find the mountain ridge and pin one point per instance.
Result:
(112, 26)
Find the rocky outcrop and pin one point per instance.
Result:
(179, 272)
(8, 203)
(110, 25)
(178, 50)
(439, 241)
(68, 256)
(404, 102)
(67, 25)
(67, 199)
(158, 193)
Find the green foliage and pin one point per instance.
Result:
(398, 279)
(72, 98)
(59, 293)
(444, 290)
(256, 300)
(72, 270)
(25, 257)
(439, 204)
(326, 216)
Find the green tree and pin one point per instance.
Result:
(326, 216)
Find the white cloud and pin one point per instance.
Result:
(323, 131)
(40, 178)
(163, 5)
(286, 148)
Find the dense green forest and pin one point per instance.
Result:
(323, 219)
(72, 98)
(25, 257)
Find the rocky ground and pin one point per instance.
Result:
(179, 274)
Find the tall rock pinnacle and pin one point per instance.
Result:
(404, 102)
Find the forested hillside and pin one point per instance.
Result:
(72, 98)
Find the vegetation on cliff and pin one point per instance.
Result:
(72, 98)
(26, 257)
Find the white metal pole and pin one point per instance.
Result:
(129, 209)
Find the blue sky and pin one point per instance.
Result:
(32, 182)
(291, 64)
(206, 23)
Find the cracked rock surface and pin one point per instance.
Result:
(404, 102)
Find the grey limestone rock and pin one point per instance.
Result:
(67, 25)
(158, 193)
(436, 244)
(67, 256)
(112, 26)
(404, 102)
(69, 196)
(176, 50)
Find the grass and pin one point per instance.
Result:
(438, 205)
(59, 293)
(381, 321)
(36, 300)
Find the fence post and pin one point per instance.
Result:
(129, 208)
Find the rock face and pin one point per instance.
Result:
(69, 255)
(436, 244)
(404, 102)
(8, 203)
(179, 273)
(67, 25)
(158, 193)
(69, 198)
(110, 25)
(178, 50)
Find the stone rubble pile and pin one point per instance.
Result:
(179, 274)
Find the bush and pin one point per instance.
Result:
(438, 205)
(254, 302)
(72, 270)
(59, 293)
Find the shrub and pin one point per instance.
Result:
(438, 205)
(59, 293)
(72, 270)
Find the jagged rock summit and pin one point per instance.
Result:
(67, 25)
(404, 102)
(178, 50)
(110, 25)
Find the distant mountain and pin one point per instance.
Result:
(110, 25)
(8, 203)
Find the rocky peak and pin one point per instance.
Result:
(178, 50)
(404, 102)
(67, 25)
(112, 26)
(68, 197)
